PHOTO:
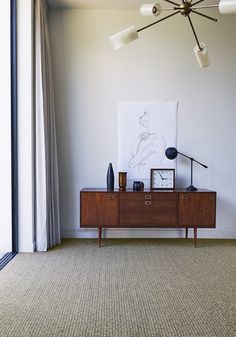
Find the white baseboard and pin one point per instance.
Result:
(27, 247)
(91, 233)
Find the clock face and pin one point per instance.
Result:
(162, 178)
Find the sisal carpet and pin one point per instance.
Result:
(128, 288)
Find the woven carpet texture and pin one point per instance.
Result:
(127, 288)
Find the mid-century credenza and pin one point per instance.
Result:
(177, 208)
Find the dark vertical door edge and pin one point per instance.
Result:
(14, 153)
(14, 166)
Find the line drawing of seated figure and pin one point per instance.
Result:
(147, 144)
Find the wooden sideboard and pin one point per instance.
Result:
(147, 209)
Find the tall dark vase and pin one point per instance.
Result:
(110, 178)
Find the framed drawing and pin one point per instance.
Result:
(145, 130)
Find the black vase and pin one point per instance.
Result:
(110, 178)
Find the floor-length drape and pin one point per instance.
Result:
(46, 166)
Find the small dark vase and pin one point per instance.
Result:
(110, 178)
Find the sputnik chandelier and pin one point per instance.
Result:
(185, 8)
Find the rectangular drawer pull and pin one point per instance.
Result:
(148, 197)
(184, 197)
(148, 203)
(111, 196)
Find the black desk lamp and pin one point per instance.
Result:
(172, 153)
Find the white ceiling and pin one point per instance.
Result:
(97, 4)
(110, 4)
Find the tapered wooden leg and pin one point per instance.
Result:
(195, 237)
(186, 233)
(99, 236)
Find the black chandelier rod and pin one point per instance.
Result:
(204, 15)
(197, 2)
(200, 48)
(166, 17)
(191, 8)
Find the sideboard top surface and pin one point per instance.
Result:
(146, 190)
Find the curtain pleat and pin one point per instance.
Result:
(46, 164)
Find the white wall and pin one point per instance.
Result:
(90, 78)
(5, 129)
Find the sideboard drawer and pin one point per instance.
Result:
(168, 196)
(157, 211)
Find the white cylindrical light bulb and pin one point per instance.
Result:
(202, 55)
(125, 36)
(227, 6)
(150, 9)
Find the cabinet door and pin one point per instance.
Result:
(148, 209)
(197, 209)
(98, 208)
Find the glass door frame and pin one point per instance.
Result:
(14, 153)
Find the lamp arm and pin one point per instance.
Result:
(200, 163)
(197, 2)
(166, 17)
(185, 155)
(169, 9)
(200, 48)
(192, 159)
(204, 15)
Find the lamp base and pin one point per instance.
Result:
(191, 188)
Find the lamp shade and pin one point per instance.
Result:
(202, 55)
(227, 6)
(125, 36)
(150, 9)
(171, 153)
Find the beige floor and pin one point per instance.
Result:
(128, 288)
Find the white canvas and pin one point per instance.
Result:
(145, 130)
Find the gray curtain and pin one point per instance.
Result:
(46, 165)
